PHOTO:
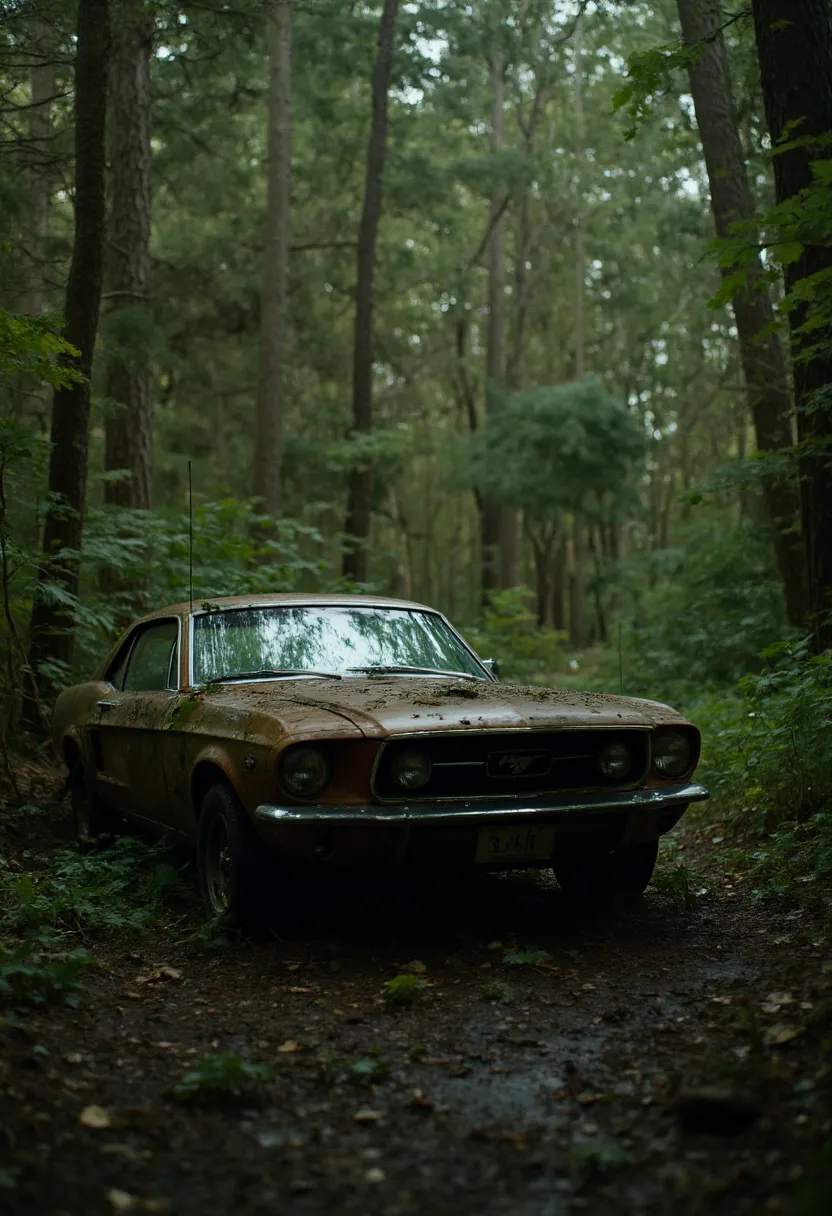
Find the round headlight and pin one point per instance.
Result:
(615, 761)
(304, 770)
(411, 769)
(671, 755)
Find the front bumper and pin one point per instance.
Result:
(445, 833)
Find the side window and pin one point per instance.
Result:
(116, 670)
(152, 665)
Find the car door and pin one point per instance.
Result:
(131, 739)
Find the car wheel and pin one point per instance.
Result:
(232, 860)
(91, 817)
(608, 875)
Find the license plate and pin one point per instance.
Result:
(526, 842)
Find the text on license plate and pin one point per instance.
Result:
(525, 842)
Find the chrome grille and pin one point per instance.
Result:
(510, 764)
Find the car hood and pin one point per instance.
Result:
(383, 706)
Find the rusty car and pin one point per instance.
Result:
(295, 730)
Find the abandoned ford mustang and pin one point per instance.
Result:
(336, 730)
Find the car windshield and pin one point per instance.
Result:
(321, 639)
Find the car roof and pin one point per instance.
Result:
(279, 599)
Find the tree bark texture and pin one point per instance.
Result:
(794, 44)
(764, 366)
(271, 375)
(577, 583)
(128, 441)
(53, 623)
(493, 536)
(359, 502)
(38, 174)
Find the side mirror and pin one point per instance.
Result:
(493, 666)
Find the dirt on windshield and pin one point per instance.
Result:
(528, 1058)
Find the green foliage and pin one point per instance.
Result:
(804, 219)
(30, 350)
(766, 749)
(509, 633)
(649, 74)
(503, 993)
(528, 957)
(402, 989)
(120, 888)
(35, 972)
(676, 883)
(566, 447)
(697, 616)
(221, 1076)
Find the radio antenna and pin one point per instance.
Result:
(191, 535)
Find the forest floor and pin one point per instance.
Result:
(676, 1056)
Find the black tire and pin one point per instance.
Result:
(91, 817)
(602, 877)
(234, 866)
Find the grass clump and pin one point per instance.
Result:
(402, 989)
(222, 1076)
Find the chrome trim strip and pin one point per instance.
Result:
(462, 812)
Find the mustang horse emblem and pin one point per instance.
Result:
(518, 762)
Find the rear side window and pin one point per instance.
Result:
(152, 663)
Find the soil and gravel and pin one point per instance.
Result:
(551, 1061)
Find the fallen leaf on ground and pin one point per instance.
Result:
(415, 967)
(779, 1034)
(162, 972)
(94, 1116)
(295, 988)
(367, 1116)
(289, 1046)
(420, 1102)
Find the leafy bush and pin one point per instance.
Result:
(34, 972)
(510, 634)
(766, 748)
(123, 887)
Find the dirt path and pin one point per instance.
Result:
(555, 1085)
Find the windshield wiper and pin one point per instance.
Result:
(277, 673)
(392, 669)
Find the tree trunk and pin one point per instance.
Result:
(268, 431)
(577, 583)
(359, 503)
(53, 622)
(794, 43)
(495, 360)
(38, 176)
(128, 436)
(580, 228)
(559, 580)
(764, 367)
